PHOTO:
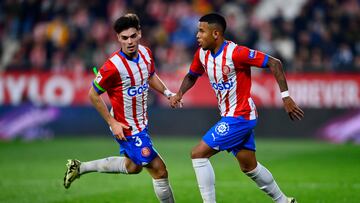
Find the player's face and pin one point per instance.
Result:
(205, 36)
(129, 41)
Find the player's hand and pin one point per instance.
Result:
(117, 129)
(294, 112)
(176, 101)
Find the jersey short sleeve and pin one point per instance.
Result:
(151, 66)
(196, 68)
(244, 56)
(104, 78)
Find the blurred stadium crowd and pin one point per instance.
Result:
(62, 35)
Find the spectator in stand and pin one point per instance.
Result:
(323, 36)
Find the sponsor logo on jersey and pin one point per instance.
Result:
(98, 77)
(145, 152)
(252, 54)
(222, 128)
(225, 70)
(134, 90)
(222, 85)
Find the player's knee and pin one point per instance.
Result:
(195, 153)
(202, 150)
(162, 173)
(247, 167)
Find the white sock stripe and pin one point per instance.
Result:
(200, 162)
(160, 179)
(161, 182)
(122, 166)
(255, 171)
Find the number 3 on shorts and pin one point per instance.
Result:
(138, 141)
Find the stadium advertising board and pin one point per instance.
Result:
(70, 89)
(313, 90)
(309, 90)
(44, 88)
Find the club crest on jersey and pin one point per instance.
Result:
(225, 70)
(145, 152)
(222, 128)
(252, 54)
(98, 77)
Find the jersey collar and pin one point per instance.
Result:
(220, 50)
(136, 60)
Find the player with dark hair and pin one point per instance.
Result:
(228, 68)
(126, 77)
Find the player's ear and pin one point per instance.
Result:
(215, 34)
(118, 36)
(140, 34)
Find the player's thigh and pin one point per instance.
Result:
(246, 159)
(157, 168)
(131, 167)
(202, 150)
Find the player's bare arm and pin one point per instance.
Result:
(187, 83)
(293, 110)
(99, 104)
(157, 84)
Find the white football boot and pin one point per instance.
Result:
(291, 200)
(72, 172)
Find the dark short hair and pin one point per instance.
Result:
(214, 18)
(127, 21)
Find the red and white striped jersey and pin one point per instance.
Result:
(126, 83)
(230, 76)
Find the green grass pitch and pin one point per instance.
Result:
(311, 171)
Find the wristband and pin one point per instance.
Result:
(168, 93)
(285, 94)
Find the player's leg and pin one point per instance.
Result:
(224, 135)
(76, 168)
(162, 188)
(204, 171)
(110, 165)
(126, 165)
(260, 175)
